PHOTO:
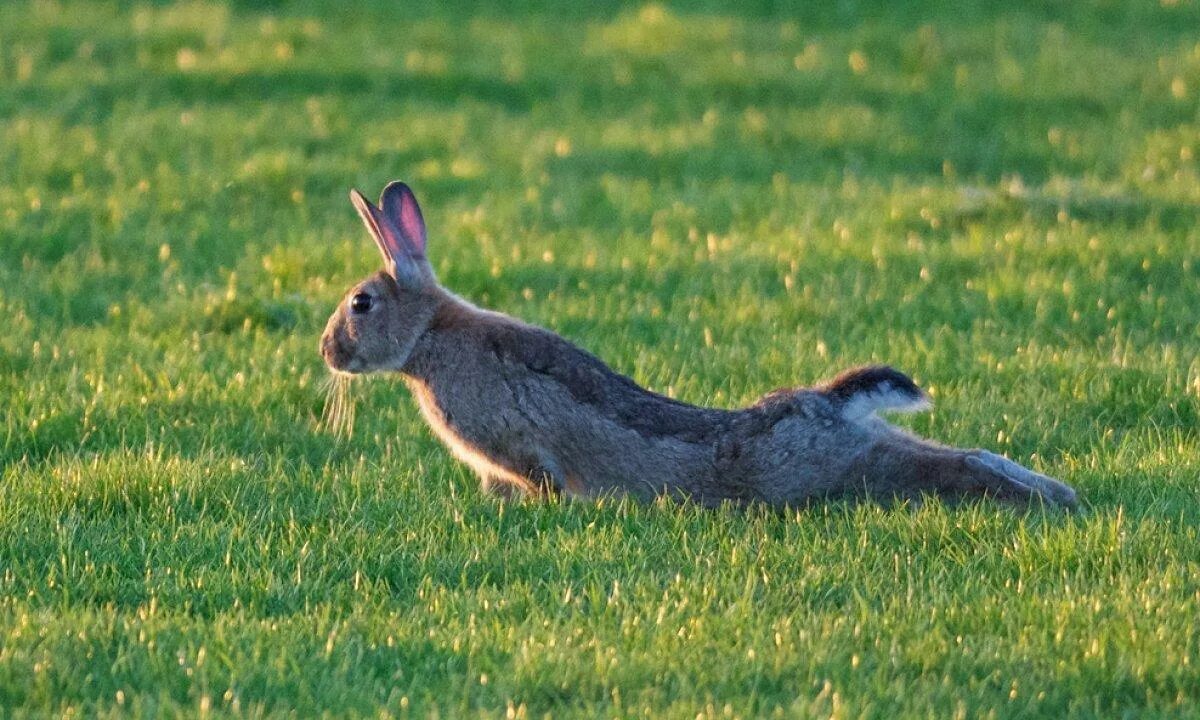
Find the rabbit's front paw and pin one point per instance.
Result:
(502, 489)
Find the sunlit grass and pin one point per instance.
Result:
(999, 199)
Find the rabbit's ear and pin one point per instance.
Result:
(374, 221)
(404, 259)
(400, 206)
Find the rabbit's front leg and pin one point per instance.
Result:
(538, 482)
(502, 488)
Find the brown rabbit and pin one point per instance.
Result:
(530, 412)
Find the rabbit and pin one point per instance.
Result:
(532, 414)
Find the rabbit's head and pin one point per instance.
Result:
(380, 319)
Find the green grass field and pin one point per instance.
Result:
(999, 198)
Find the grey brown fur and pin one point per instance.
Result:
(532, 413)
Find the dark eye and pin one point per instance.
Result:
(360, 303)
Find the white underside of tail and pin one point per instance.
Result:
(883, 398)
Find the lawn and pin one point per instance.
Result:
(1001, 199)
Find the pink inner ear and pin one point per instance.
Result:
(411, 221)
(384, 232)
(401, 209)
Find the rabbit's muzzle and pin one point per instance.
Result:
(336, 355)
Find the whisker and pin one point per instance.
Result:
(338, 415)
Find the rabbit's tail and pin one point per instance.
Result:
(863, 391)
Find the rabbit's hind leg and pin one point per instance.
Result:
(979, 473)
(910, 469)
(1053, 491)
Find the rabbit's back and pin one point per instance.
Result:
(520, 404)
(514, 399)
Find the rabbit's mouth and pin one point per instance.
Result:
(338, 357)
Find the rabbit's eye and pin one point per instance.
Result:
(360, 303)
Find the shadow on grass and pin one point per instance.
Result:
(1126, 211)
(98, 100)
(962, 131)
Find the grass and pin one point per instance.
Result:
(1001, 199)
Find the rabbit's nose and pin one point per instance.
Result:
(334, 352)
(329, 346)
